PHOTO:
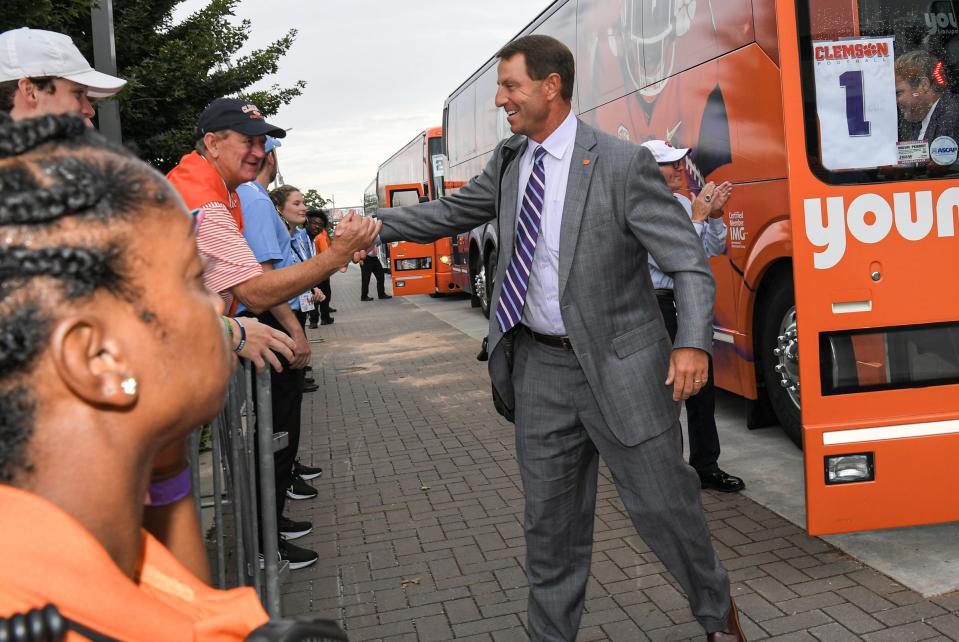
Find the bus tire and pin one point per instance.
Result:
(491, 260)
(778, 320)
(474, 270)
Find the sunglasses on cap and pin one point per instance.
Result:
(677, 165)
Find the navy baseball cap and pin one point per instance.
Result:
(237, 115)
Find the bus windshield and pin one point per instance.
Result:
(880, 80)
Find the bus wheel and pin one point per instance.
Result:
(779, 352)
(475, 298)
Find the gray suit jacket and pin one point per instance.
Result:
(617, 209)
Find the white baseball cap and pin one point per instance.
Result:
(663, 152)
(32, 53)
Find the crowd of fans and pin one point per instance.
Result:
(123, 297)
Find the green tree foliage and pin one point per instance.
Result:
(314, 201)
(173, 70)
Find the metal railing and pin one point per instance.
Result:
(243, 444)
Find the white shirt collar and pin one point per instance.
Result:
(557, 143)
(925, 121)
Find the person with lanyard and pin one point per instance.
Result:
(706, 213)
(268, 238)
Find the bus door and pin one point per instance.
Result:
(412, 266)
(872, 171)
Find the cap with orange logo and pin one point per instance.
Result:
(238, 115)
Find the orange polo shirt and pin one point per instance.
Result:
(321, 242)
(50, 558)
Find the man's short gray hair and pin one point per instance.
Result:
(201, 146)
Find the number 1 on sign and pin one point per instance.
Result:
(856, 121)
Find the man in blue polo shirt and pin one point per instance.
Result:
(269, 239)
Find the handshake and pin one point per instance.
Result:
(355, 235)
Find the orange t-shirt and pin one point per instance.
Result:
(50, 558)
(321, 242)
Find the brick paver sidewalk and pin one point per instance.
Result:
(418, 521)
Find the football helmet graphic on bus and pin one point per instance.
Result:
(651, 28)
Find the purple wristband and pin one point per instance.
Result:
(170, 491)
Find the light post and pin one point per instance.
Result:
(105, 61)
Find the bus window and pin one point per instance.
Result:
(879, 89)
(488, 115)
(401, 197)
(462, 141)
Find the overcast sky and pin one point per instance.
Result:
(377, 74)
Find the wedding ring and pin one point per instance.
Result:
(697, 381)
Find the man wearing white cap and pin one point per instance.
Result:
(706, 213)
(43, 72)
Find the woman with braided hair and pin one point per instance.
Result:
(111, 349)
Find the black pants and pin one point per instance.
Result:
(371, 265)
(700, 408)
(286, 391)
(323, 311)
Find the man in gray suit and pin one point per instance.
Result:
(579, 353)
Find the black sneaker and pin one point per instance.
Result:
(290, 529)
(327, 321)
(299, 489)
(296, 556)
(306, 472)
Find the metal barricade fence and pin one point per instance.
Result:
(243, 444)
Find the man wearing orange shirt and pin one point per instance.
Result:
(316, 224)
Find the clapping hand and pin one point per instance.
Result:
(711, 199)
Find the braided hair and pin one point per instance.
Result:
(65, 194)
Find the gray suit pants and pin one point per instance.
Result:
(560, 435)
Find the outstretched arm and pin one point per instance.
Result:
(473, 205)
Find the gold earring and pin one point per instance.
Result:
(129, 386)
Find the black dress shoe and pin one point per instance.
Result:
(721, 481)
(313, 325)
(366, 298)
(384, 296)
(733, 631)
(326, 321)
(332, 309)
(310, 387)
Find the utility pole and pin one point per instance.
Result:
(105, 61)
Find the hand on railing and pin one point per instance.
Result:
(262, 342)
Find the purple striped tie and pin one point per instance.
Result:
(512, 298)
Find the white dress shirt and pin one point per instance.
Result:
(925, 121)
(542, 312)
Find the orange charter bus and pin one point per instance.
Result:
(412, 174)
(795, 102)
